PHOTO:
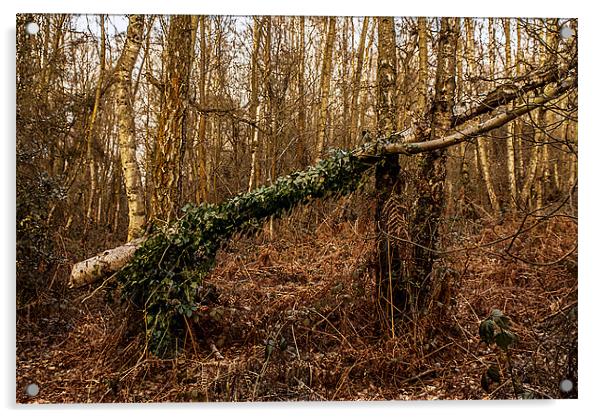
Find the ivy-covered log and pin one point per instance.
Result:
(165, 277)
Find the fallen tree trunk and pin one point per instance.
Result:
(110, 261)
(164, 276)
(103, 264)
(508, 92)
(337, 174)
(411, 148)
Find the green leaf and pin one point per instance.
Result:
(500, 319)
(269, 348)
(187, 207)
(485, 382)
(487, 331)
(283, 345)
(504, 339)
(495, 313)
(493, 372)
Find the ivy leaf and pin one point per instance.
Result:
(283, 345)
(269, 348)
(487, 331)
(500, 319)
(493, 372)
(504, 339)
(485, 382)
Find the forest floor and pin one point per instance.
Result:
(296, 319)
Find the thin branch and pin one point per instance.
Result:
(410, 148)
(508, 92)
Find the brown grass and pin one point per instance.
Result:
(308, 292)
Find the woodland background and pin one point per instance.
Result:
(220, 105)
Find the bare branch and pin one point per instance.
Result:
(410, 148)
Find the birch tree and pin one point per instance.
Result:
(389, 262)
(301, 146)
(325, 77)
(357, 79)
(510, 129)
(92, 123)
(422, 65)
(481, 143)
(203, 194)
(428, 209)
(127, 127)
(254, 105)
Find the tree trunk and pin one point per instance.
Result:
(325, 87)
(422, 66)
(357, 80)
(481, 143)
(93, 116)
(509, 129)
(344, 58)
(301, 148)
(103, 264)
(465, 184)
(364, 94)
(387, 182)
(255, 107)
(171, 138)
(428, 208)
(172, 133)
(516, 125)
(551, 51)
(491, 49)
(317, 179)
(267, 107)
(127, 128)
(203, 179)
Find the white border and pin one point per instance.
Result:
(589, 233)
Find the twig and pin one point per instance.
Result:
(497, 389)
(310, 389)
(112, 276)
(295, 341)
(216, 352)
(563, 310)
(335, 328)
(192, 338)
(472, 354)
(418, 376)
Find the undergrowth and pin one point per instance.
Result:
(165, 275)
(309, 283)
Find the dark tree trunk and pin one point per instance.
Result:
(428, 208)
(171, 139)
(387, 182)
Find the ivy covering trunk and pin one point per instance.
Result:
(165, 276)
